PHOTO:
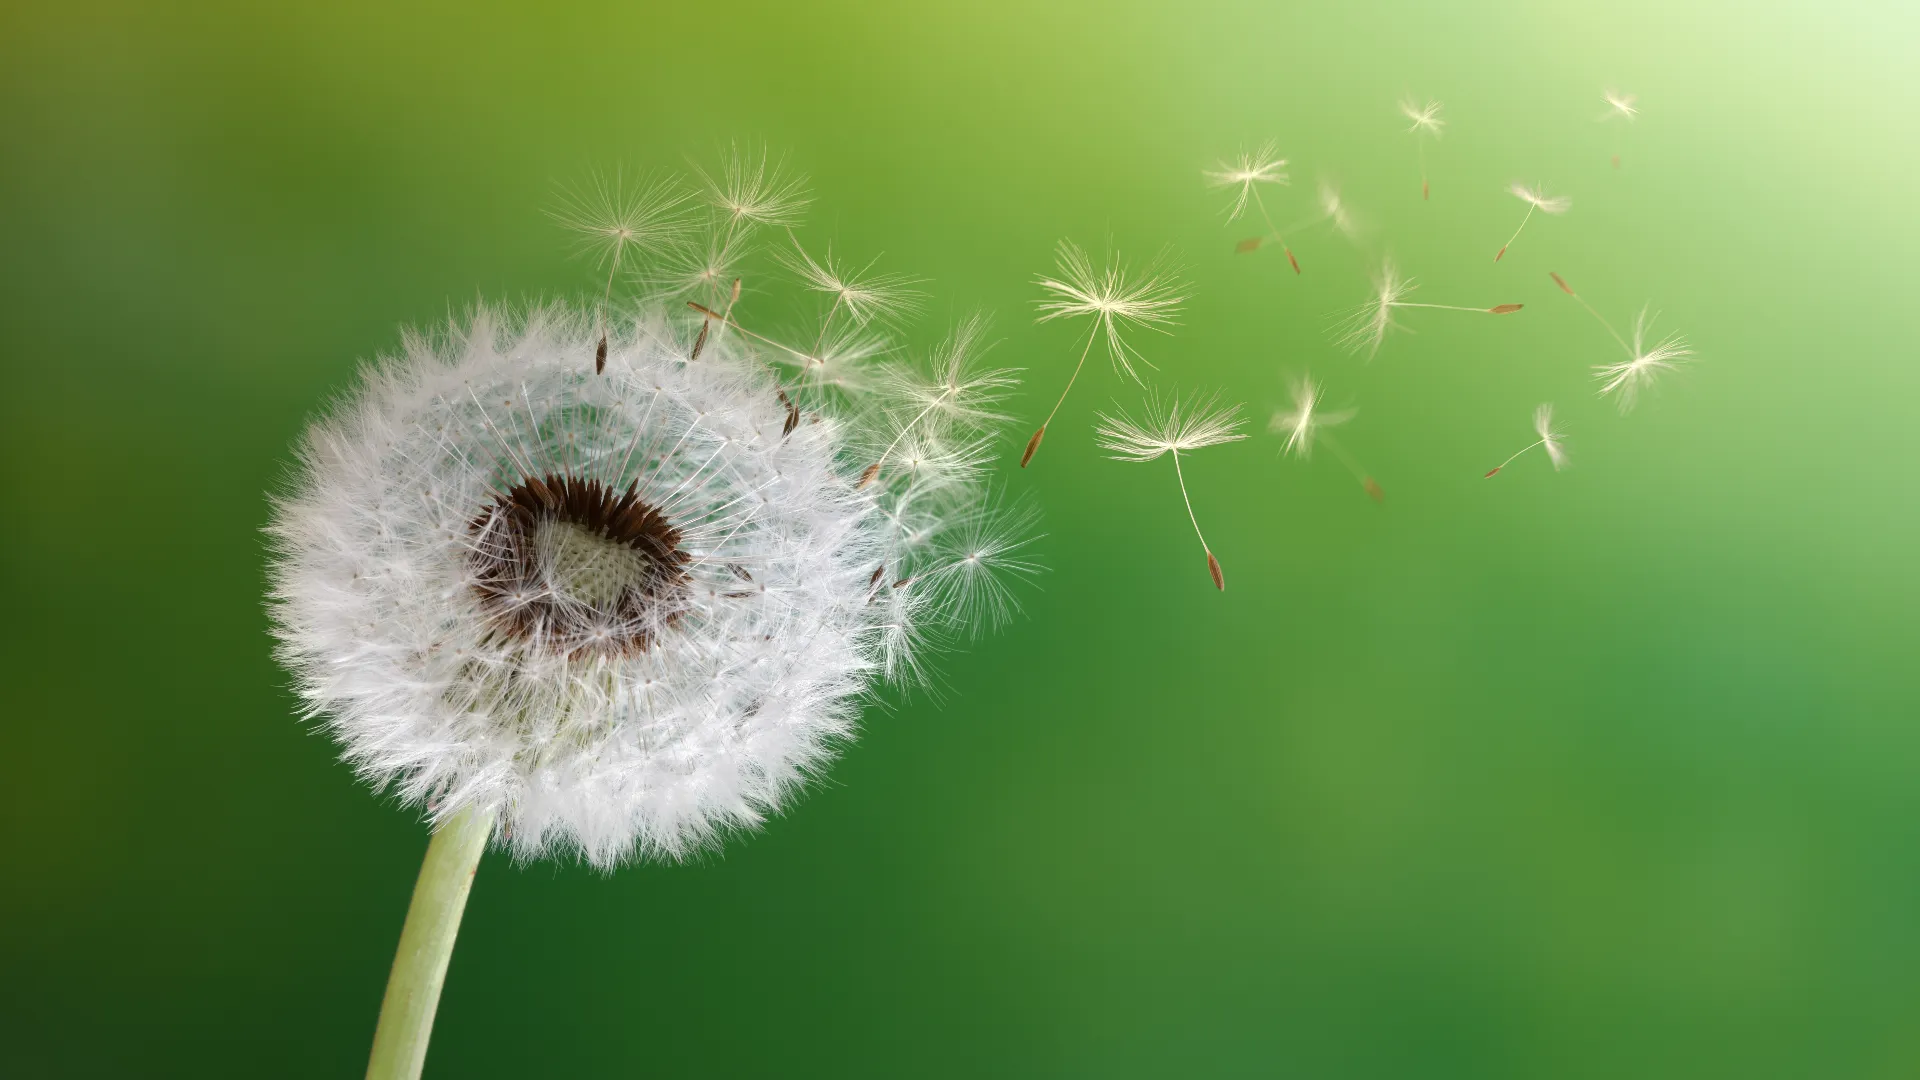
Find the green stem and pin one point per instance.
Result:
(426, 944)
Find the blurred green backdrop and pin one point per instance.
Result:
(1600, 774)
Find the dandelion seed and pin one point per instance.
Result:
(1308, 422)
(1117, 300)
(1535, 200)
(1174, 428)
(1643, 363)
(1330, 209)
(614, 218)
(1367, 327)
(1426, 124)
(1550, 440)
(982, 558)
(959, 394)
(861, 294)
(1619, 107)
(1244, 175)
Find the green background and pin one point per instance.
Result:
(1599, 774)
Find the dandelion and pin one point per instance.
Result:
(612, 218)
(1425, 124)
(1546, 204)
(1308, 422)
(1550, 440)
(1366, 328)
(614, 616)
(1174, 428)
(1644, 362)
(1619, 107)
(1244, 175)
(1117, 299)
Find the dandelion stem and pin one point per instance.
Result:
(1087, 348)
(426, 944)
(1352, 464)
(1442, 307)
(1591, 310)
(1516, 454)
(1213, 565)
(726, 320)
(1516, 233)
(1278, 238)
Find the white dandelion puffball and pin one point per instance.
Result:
(627, 612)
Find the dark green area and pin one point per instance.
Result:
(1600, 774)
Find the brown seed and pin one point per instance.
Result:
(793, 420)
(1497, 255)
(1505, 309)
(740, 571)
(1032, 445)
(1616, 161)
(1373, 489)
(600, 356)
(1213, 567)
(1251, 244)
(1493, 470)
(878, 573)
(1562, 282)
(1294, 261)
(1423, 191)
(703, 309)
(903, 583)
(734, 297)
(700, 342)
(868, 477)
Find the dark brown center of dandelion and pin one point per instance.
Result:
(578, 567)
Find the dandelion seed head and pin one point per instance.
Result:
(628, 612)
(862, 294)
(611, 217)
(1534, 197)
(1551, 440)
(752, 188)
(1336, 209)
(1170, 425)
(1620, 106)
(1303, 421)
(1262, 166)
(1116, 298)
(1425, 119)
(1626, 379)
(1368, 325)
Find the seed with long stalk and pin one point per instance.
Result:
(960, 394)
(1535, 200)
(1308, 422)
(1620, 107)
(1117, 299)
(1368, 325)
(1244, 175)
(1174, 427)
(1425, 124)
(1550, 440)
(1644, 362)
(613, 218)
